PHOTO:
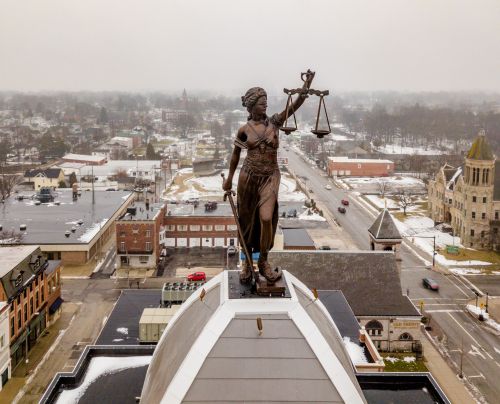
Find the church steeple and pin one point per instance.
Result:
(480, 149)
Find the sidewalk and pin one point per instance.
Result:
(86, 270)
(452, 386)
(24, 374)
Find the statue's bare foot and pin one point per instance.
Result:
(245, 274)
(271, 275)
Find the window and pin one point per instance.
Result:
(182, 227)
(24, 293)
(207, 227)
(31, 306)
(483, 215)
(473, 215)
(195, 227)
(474, 199)
(12, 331)
(25, 312)
(484, 199)
(405, 337)
(19, 320)
(122, 246)
(496, 214)
(472, 232)
(18, 300)
(122, 234)
(135, 231)
(482, 233)
(148, 246)
(36, 299)
(148, 233)
(2, 340)
(232, 227)
(143, 259)
(374, 327)
(220, 227)
(42, 294)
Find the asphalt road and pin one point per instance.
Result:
(454, 327)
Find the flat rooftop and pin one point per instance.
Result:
(48, 222)
(122, 327)
(141, 213)
(184, 209)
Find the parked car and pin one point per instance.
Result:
(231, 250)
(430, 284)
(292, 213)
(341, 209)
(328, 186)
(197, 276)
(311, 191)
(325, 247)
(345, 202)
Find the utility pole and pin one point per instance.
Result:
(434, 252)
(461, 374)
(93, 194)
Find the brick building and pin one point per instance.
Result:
(197, 226)
(138, 235)
(23, 285)
(344, 166)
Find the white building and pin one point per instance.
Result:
(5, 364)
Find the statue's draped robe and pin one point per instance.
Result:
(259, 182)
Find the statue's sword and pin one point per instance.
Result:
(229, 195)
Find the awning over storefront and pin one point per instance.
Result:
(54, 306)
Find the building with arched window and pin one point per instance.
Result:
(468, 197)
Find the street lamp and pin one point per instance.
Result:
(433, 247)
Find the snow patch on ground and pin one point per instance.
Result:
(92, 231)
(396, 149)
(380, 202)
(409, 359)
(122, 330)
(466, 271)
(211, 186)
(309, 215)
(393, 182)
(420, 231)
(98, 367)
(356, 352)
(476, 311)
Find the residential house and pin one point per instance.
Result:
(49, 177)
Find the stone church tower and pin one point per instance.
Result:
(478, 187)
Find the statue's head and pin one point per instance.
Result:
(255, 97)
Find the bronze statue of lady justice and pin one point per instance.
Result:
(259, 179)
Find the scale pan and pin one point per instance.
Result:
(320, 132)
(288, 129)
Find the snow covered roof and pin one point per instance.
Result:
(212, 351)
(343, 159)
(384, 227)
(84, 157)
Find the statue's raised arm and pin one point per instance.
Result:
(307, 78)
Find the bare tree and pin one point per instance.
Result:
(120, 173)
(7, 184)
(405, 199)
(383, 187)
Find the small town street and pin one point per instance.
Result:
(452, 326)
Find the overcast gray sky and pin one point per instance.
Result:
(229, 45)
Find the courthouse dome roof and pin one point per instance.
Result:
(480, 149)
(212, 350)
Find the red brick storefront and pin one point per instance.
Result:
(344, 166)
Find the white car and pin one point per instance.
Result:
(328, 186)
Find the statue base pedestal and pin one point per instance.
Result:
(264, 288)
